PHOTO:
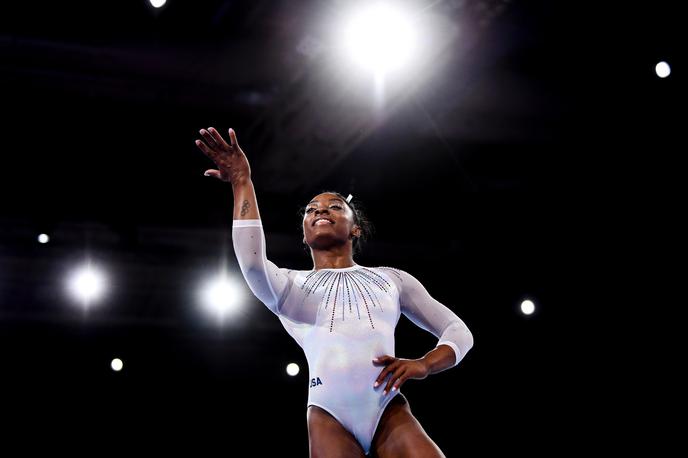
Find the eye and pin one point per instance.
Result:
(336, 206)
(310, 210)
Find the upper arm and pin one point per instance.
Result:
(423, 309)
(267, 281)
(428, 313)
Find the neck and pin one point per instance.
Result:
(332, 259)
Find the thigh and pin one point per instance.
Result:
(399, 434)
(327, 438)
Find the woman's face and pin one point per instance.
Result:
(336, 222)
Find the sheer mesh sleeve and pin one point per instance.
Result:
(267, 281)
(429, 314)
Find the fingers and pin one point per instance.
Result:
(206, 150)
(387, 370)
(396, 368)
(217, 149)
(398, 377)
(384, 359)
(213, 173)
(218, 138)
(208, 138)
(233, 139)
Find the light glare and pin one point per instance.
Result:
(292, 369)
(221, 297)
(662, 69)
(380, 38)
(527, 307)
(87, 284)
(116, 364)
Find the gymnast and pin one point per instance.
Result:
(343, 316)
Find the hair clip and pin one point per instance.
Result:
(348, 199)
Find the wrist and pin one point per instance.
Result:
(426, 364)
(240, 181)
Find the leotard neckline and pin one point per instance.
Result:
(340, 269)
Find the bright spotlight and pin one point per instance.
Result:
(87, 284)
(380, 38)
(43, 238)
(527, 307)
(222, 296)
(116, 364)
(292, 369)
(662, 69)
(157, 3)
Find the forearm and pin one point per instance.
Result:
(440, 358)
(245, 202)
(264, 278)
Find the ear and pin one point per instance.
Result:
(356, 232)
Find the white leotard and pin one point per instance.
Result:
(343, 319)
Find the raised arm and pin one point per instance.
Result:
(267, 281)
(232, 166)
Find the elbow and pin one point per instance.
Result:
(469, 339)
(251, 266)
(459, 338)
(258, 283)
(464, 337)
(251, 270)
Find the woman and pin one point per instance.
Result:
(343, 315)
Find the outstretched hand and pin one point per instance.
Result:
(401, 370)
(232, 164)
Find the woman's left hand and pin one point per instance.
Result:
(401, 370)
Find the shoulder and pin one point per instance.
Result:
(392, 270)
(291, 272)
(399, 274)
(407, 283)
(400, 277)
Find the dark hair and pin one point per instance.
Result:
(360, 219)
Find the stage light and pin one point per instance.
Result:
(116, 364)
(43, 238)
(87, 284)
(527, 307)
(292, 369)
(662, 69)
(158, 3)
(222, 296)
(379, 38)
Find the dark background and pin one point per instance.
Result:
(539, 159)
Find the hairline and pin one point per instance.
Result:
(332, 198)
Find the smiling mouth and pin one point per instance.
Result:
(322, 222)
